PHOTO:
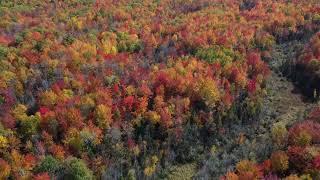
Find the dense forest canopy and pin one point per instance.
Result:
(127, 89)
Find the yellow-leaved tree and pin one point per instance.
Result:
(109, 43)
(208, 91)
(103, 116)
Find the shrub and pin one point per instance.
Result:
(49, 98)
(29, 126)
(279, 161)
(264, 41)
(2, 100)
(103, 116)
(3, 52)
(151, 166)
(231, 176)
(73, 140)
(279, 134)
(42, 176)
(216, 54)
(301, 133)
(68, 40)
(19, 112)
(248, 170)
(292, 177)
(299, 158)
(48, 164)
(3, 142)
(128, 43)
(303, 138)
(76, 169)
(4, 169)
(209, 92)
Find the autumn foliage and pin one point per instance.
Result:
(106, 89)
(298, 160)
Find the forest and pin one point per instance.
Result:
(159, 89)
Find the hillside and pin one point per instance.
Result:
(159, 89)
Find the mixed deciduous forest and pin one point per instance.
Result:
(159, 89)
